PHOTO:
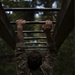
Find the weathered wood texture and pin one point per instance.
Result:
(65, 22)
(6, 30)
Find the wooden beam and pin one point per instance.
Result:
(33, 22)
(6, 30)
(32, 9)
(65, 22)
(36, 31)
(30, 47)
(35, 42)
(32, 38)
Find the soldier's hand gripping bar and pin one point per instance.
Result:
(33, 22)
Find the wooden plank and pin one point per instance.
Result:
(6, 30)
(35, 42)
(36, 31)
(65, 22)
(33, 22)
(32, 38)
(32, 9)
(29, 47)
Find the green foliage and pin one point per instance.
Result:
(4, 48)
(7, 69)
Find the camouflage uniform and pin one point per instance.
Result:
(21, 60)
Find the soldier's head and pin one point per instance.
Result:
(34, 60)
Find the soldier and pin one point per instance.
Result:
(33, 64)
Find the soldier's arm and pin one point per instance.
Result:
(19, 52)
(20, 24)
(51, 52)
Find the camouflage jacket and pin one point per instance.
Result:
(21, 61)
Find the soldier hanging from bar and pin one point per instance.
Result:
(33, 63)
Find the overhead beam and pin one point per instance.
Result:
(32, 38)
(65, 22)
(35, 42)
(32, 9)
(36, 50)
(36, 31)
(6, 30)
(27, 47)
(33, 22)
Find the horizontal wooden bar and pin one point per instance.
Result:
(36, 31)
(35, 50)
(30, 38)
(32, 9)
(27, 47)
(33, 22)
(35, 42)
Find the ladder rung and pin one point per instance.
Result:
(33, 22)
(32, 9)
(36, 31)
(36, 43)
(26, 47)
(35, 49)
(40, 31)
(29, 38)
